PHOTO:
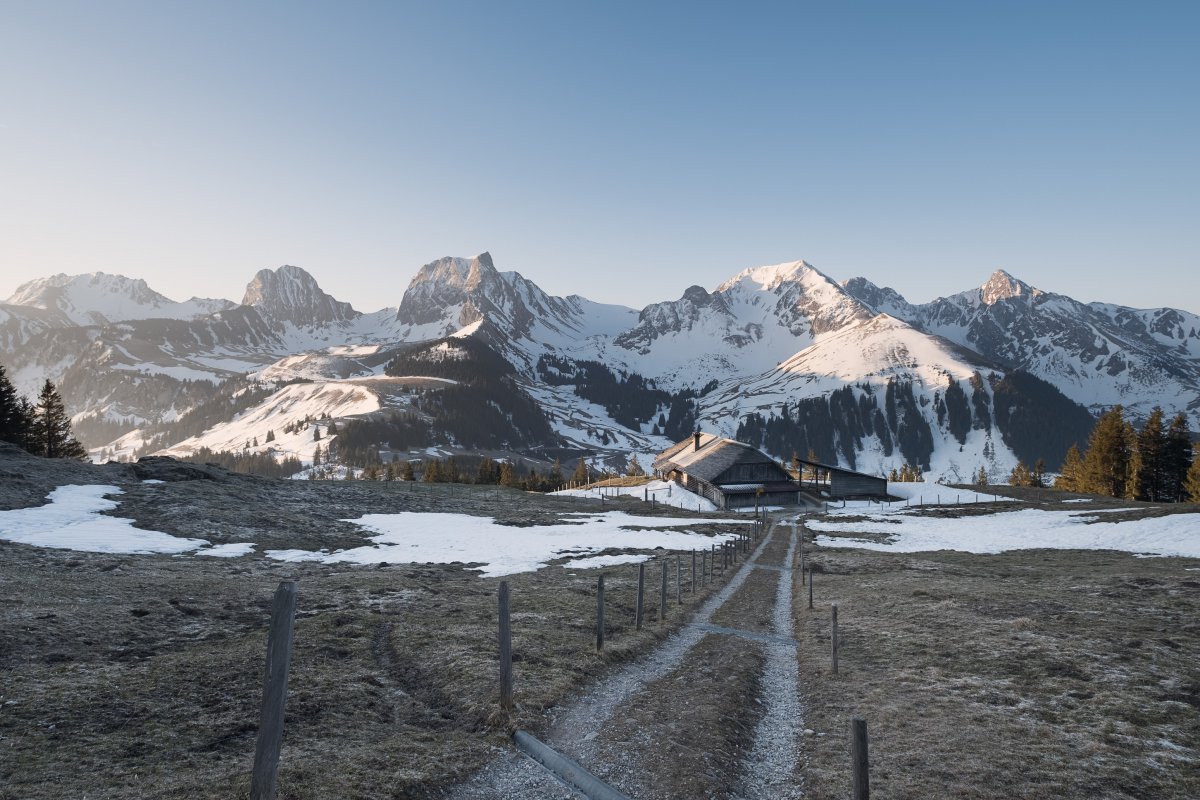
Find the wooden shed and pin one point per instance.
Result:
(731, 474)
(838, 482)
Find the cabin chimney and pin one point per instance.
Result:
(696, 439)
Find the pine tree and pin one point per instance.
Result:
(316, 433)
(581, 472)
(1108, 463)
(981, 477)
(51, 429)
(317, 456)
(14, 417)
(1177, 457)
(1039, 473)
(483, 475)
(1070, 476)
(406, 471)
(556, 474)
(635, 469)
(432, 472)
(508, 475)
(1020, 476)
(1191, 484)
(270, 436)
(1149, 473)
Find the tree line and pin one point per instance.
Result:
(1155, 463)
(43, 427)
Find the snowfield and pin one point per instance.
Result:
(1025, 529)
(663, 492)
(419, 537)
(73, 520)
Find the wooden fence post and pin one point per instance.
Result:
(506, 676)
(810, 581)
(835, 640)
(801, 555)
(859, 763)
(270, 726)
(692, 582)
(662, 598)
(641, 595)
(678, 578)
(599, 613)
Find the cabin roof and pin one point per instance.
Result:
(714, 455)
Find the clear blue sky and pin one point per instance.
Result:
(622, 151)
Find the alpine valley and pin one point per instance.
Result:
(478, 361)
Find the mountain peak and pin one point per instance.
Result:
(769, 277)
(1001, 286)
(98, 298)
(290, 294)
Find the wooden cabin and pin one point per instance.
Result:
(729, 473)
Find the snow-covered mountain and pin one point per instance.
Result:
(98, 298)
(1097, 354)
(782, 355)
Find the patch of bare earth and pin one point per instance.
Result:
(1028, 674)
(141, 676)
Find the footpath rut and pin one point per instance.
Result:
(714, 711)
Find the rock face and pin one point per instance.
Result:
(765, 339)
(291, 295)
(452, 293)
(1097, 354)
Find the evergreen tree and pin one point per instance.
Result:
(581, 472)
(317, 456)
(270, 436)
(1177, 457)
(1020, 476)
(508, 476)
(406, 471)
(51, 429)
(1070, 478)
(14, 416)
(316, 433)
(981, 477)
(556, 474)
(1149, 473)
(1191, 483)
(432, 473)
(1039, 473)
(635, 469)
(1108, 463)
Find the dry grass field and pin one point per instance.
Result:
(1028, 674)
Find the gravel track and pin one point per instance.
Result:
(768, 773)
(573, 727)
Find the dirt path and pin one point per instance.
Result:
(712, 712)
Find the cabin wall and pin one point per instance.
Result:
(843, 484)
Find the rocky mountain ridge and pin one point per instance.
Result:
(761, 344)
